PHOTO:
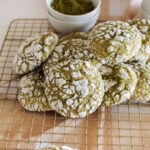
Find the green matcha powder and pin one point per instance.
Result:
(72, 7)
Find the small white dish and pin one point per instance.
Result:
(65, 27)
(74, 18)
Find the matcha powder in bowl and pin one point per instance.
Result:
(72, 7)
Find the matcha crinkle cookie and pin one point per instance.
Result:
(75, 35)
(74, 88)
(143, 26)
(54, 147)
(114, 41)
(33, 51)
(106, 71)
(125, 81)
(142, 90)
(70, 49)
(31, 93)
(148, 62)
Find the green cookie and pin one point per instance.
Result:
(142, 90)
(114, 41)
(31, 93)
(34, 51)
(125, 81)
(54, 147)
(70, 49)
(143, 26)
(74, 88)
(75, 35)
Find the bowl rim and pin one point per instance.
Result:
(70, 22)
(71, 16)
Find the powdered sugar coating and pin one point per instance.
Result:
(114, 41)
(125, 81)
(74, 88)
(33, 51)
(142, 90)
(31, 93)
(54, 147)
(70, 49)
(105, 71)
(143, 26)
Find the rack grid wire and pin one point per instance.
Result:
(122, 127)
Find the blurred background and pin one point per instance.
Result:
(111, 10)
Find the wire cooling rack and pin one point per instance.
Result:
(122, 127)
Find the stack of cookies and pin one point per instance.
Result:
(75, 74)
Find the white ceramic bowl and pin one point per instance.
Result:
(65, 27)
(74, 18)
(144, 14)
(146, 6)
